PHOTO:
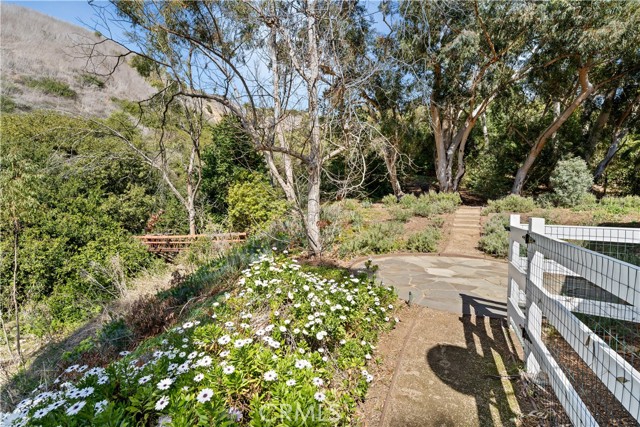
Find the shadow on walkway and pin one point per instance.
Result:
(479, 369)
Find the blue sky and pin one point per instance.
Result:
(79, 12)
(70, 11)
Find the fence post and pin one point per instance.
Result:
(514, 251)
(535, 277)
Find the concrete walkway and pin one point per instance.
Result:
(448, 362)
(451, 284)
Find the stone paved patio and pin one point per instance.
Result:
(452, 284)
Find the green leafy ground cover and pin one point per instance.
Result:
(288, 346)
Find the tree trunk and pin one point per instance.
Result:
(601, 121)
(315, 152)
(190, 203)
(14, 291)
(485, 131)
(611, 152)
(285, 182)
(441, 149)
(521, 176)
(390, 157)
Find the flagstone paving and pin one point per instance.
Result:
(452, 284)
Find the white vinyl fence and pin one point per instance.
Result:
(567, 302)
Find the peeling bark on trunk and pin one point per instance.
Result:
(586, 90)
(315, 152)
(390, 157)
(601, 122)
(611, 152)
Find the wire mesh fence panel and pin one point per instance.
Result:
(576, 300)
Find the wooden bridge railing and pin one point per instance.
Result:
(174, 244)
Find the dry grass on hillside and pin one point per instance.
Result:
(36, 46)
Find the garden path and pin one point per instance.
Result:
(464, 233)
(447, 361)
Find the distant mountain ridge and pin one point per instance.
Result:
(44, 64)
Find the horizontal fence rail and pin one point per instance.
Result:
(572, 306)
(178, 243)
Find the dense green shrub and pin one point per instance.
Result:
(389, 200)
(495, 236)
(408, 200)
(378, 238)
(511, 203)
(424, 241)
(571, 181)
(253, 204)
(51, 87)
(401, 214)
(229, 158)
(76, 208)
(7, 105)
(433, 203)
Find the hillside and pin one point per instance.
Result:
(44, 65)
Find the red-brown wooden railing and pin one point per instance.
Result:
(175, 244)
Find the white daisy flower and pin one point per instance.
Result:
(205, 395)
(76, 407)
(144, 380)
(270, 376)
(99, 406)
(165, 384)
(162, 403)
(317, 381)
(229, 369)
(223, 340)
(205, 361)
(86, 392)
(319, 396)
(198, 377)
(291, 382)
(40, 413)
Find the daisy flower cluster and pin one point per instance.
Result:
(287, 335)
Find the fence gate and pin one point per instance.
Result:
(574, 303)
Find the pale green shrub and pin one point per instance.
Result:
(571, 180)
(424, 241)
(495, 237)
(511, 203)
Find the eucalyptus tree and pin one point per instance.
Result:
(616, 122)
(581, 49)
(265, 62)
(457, 56)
